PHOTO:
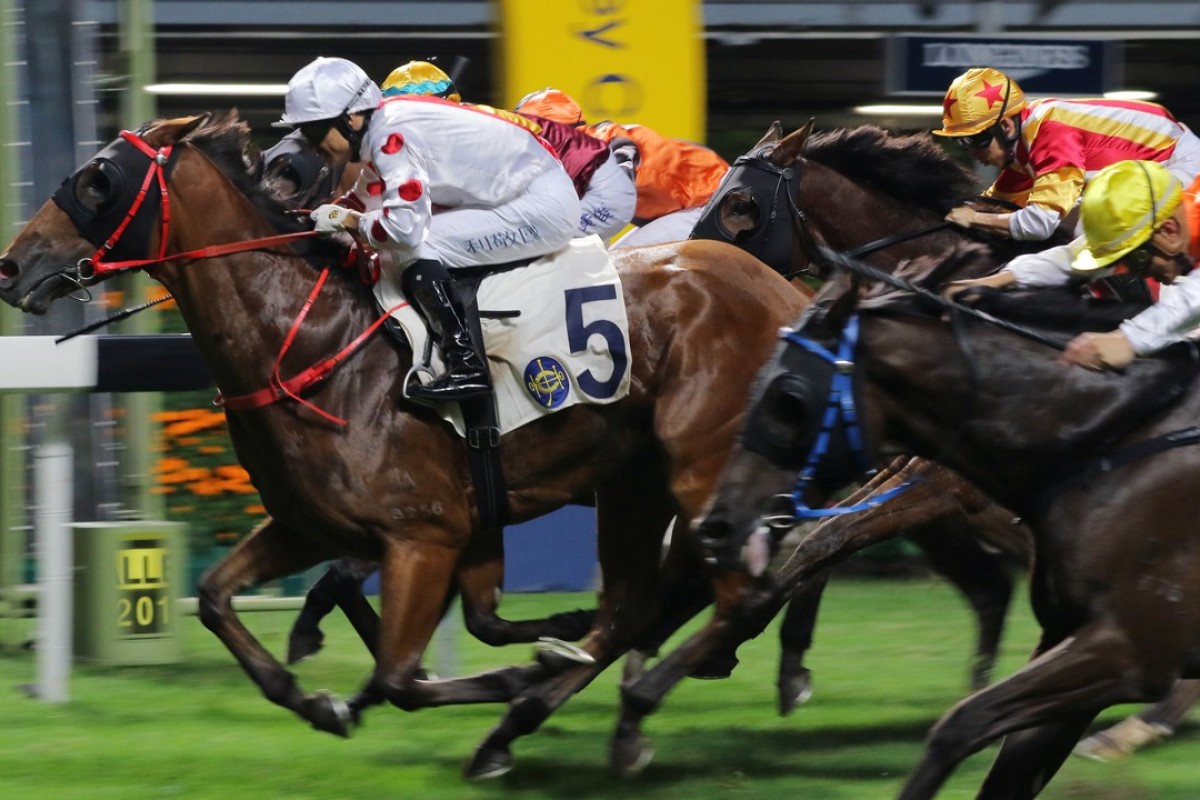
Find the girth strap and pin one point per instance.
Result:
(1101, 465)
(482, 425)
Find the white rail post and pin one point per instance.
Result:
(53, 486)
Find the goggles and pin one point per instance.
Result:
(976, 141)
(1140, 259)
(315, 132)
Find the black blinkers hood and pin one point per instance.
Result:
(799, 383)
(125, 167)
(773, 242)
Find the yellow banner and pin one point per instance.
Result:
(630, 61)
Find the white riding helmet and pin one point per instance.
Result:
(326, 89)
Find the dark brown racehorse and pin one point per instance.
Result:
(1102, 466)
(391, 484)
(885, 195)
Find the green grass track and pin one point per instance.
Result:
(890, 658)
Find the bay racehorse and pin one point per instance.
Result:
(778, 198)
(391, 484)
(855, 187)
(1102, 466)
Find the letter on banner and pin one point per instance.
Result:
(631, 61)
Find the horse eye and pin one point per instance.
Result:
(739, 214)
(787, 405)
(93, 189)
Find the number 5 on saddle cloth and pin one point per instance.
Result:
(567, 343)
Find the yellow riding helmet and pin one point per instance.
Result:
(552, 104)
(977, 100)
(1122, 206)
(420, 78)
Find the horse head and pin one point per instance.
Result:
(122, 209)
(111, 204)
(755, 196)
(980, 391)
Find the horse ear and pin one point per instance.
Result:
(788, 150)
(173, 130)
(773, 134)
(198, 121)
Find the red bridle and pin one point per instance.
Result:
(95, 266)
(278, 388)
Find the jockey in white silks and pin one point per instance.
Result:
(442, 186)
(605, 184)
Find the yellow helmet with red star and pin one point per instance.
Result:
(977, 100)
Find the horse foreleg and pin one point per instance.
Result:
(415, 577)
(339, 587)
(1028, 759)
(1060, 690)
(980, 575)
(794, 683)
(481, 576)
(270, 551)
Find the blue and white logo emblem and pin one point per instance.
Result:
(546, 381)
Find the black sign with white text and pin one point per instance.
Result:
(925, 65)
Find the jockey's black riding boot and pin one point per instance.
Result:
(430, 287)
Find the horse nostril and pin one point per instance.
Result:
(8, 269)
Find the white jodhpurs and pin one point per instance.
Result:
(607, 205)
(539, 221)
(673, 227)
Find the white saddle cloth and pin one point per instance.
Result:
(569, 345)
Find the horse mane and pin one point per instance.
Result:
(909, 167)
(226, 141)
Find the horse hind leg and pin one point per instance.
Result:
(340, 587)
(1051, 700)
(981, 576)
(270, 551)
(1151, 724)
(631, 521)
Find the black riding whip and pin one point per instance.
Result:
(851, 264)
(117, 317)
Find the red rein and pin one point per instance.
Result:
(277, 388)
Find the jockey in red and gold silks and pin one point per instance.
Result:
(1047, 150)
(1064, 143)
(675, 178)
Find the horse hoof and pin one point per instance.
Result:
(329, 713)
(794, 690)
(303, 644)
(558, 656)
(1121, 740)
(489, 762)
(631, 756)
(716, 667)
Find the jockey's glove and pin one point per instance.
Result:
(331, 218)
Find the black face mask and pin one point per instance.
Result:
(772, 238)
(98, 197)
(354, 137)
